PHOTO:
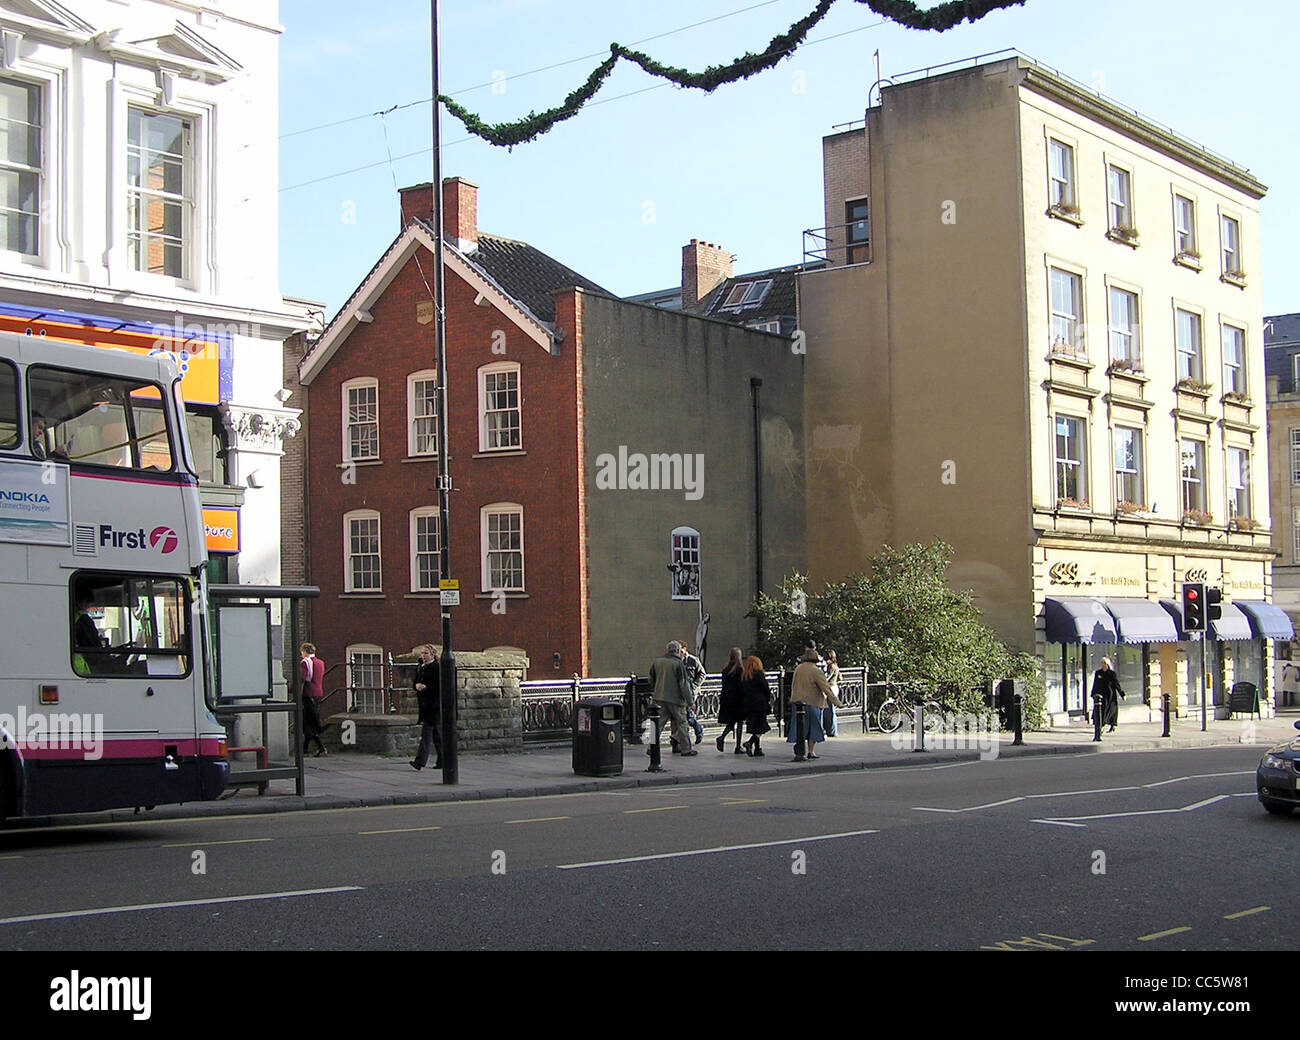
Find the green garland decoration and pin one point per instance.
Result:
(904, 12)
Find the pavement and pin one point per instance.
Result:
(352, 779)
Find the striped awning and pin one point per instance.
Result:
(1266, 620)
(1077, 619)
(1142, 621)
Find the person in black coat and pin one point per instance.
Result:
(1106, 684)
(428, 690)
(758, 703)
(731, 704)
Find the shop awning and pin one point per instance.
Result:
(1142, 621)
(1266, 620)
(1233, 625)
(1175, 611)
(1077, 619)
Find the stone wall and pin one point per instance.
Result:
(489, 715)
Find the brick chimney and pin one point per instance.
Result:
(459, 209)
(704, 267)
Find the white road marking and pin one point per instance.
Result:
(169, 906)
(707, 852)
(1096, 790)
(1139, 812)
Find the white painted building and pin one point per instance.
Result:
(139, 208)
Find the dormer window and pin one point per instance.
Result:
(747, 294)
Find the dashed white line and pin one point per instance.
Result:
(170, 906)
(707, 852)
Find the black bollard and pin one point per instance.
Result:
(918, 727)
(656, 766)
(1164, 704)
(800, 741)
(1018, 718)
(1096, 717)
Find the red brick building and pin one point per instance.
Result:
(548, 380)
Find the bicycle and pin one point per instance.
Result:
(898, 709)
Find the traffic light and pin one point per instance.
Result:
(1213, 597)
(1193, 606)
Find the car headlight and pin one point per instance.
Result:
(1275, 762)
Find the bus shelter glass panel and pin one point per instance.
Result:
(128, 625)
(101, 420)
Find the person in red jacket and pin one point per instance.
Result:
(313, 678)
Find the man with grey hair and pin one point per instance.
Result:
(673, 694)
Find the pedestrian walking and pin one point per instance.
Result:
(695, 675)
(809, 688)
(758, 703)
(312, 670)
(428, 690)
(832, 669)
(1106, 683)
(673, 694)
(731, 703)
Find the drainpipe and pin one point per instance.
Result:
(754, 383)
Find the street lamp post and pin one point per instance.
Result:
(447, 662)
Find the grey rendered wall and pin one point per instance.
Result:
(659, 382)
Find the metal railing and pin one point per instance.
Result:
(824, 245)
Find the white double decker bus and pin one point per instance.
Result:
(105, 662)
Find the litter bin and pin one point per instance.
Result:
(598, 737)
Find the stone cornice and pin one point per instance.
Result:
(260, 429)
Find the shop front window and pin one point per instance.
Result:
(1130, 661)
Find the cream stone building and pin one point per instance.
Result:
(1038, 339)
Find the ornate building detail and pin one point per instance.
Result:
(260, 429)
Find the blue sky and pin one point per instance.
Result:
(615, 192)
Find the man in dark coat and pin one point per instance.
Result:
(427, 689)
(1106, 684)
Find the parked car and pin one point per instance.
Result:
(1277, 780)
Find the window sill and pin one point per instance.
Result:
(503, 453)
(420, 458)
(1116, 235)
(360, 462)
(508, 593)
(1057, 213)
(422, 595)
(1136, 374)
(1192, 263)
(362, 595)
(1233, 278)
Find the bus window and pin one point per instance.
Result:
(8, 405)
(101, 420)
(129, 624)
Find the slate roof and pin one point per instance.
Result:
(1281, 344)
(1281, 328)
(526, 273)
(779, 302)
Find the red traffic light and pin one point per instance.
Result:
(1193, 594)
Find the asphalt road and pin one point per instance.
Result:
(1144, 852)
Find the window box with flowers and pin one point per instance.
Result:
(1188, 258)
(1194, 386)
(1197, 518)
(1066, 211)
(1064, 350)
(1131, 509)
(1237, 397)
(1073, 503)
(1237, 278)
(1124, 234)
(1130, 367)
(1244, 523)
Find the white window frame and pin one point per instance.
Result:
(684, 552)
(1130, 336)
(1068, 195)
(1236, 478)
(485, 550)
(39, 171)
(349, 582)
(1230, 252)
(1073, 324)
(498, 368)
(1196, 371)
(1295, 535)
(1198, 479)
(1185, 238)
(1119, 211)
(1079, 465)
(359, 383)
(1234, 375)
(370, 704)
(187, 198)
(1135, 474)
(425, 513)
(413, 448)
(1295, 458)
